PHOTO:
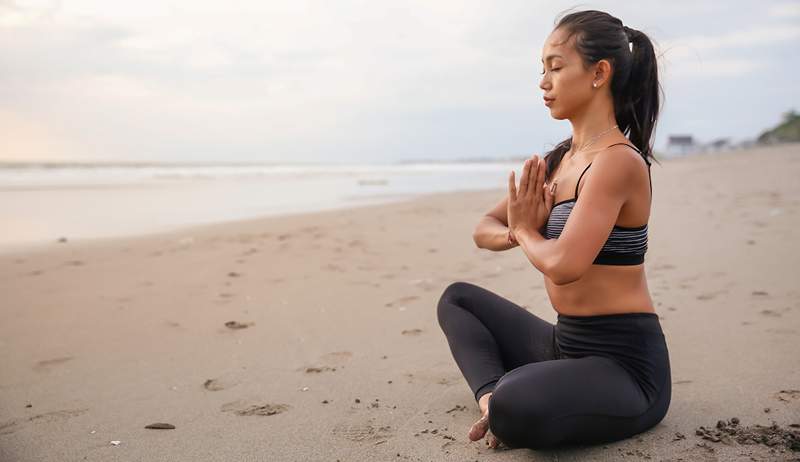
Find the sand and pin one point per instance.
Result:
(314, 337)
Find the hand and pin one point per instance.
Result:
(529, 208)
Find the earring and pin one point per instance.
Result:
(594, 84)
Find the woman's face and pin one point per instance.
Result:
(566, 83)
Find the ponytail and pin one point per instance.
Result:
(637, 106)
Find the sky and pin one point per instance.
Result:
(356, 81)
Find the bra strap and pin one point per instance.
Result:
(627, 144)
(579, 180)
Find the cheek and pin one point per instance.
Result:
(570, 90)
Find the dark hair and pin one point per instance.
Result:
(634, 86)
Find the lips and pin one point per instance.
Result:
(548, 101)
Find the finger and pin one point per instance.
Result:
(540, 177)
(512, 187)
(523, 180)
(533, 175)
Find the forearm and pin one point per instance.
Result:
(492, 234)
(541, 252)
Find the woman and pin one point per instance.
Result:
(602, 372)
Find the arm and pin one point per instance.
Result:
(605, 191)
(492, 234)
(492, 230)
(543, 253)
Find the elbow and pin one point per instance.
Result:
(562, 280)
(561, 273)
(476, 238)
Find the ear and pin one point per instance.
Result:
(602, 73)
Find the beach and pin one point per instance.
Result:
(314, 336)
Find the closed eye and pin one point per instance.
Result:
(551, 70)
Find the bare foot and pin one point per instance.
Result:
(481, 427)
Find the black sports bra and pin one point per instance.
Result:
(624, 246)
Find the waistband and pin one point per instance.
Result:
(636, 324)
(634, 340)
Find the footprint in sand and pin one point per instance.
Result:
(781, 330)
(710, 295)
(47, 363)
(432, 377)
(218, 384)
(411, 332)
(787, 395)
(247, 408)
(336, 357)
(49, 417)
(239, 325)
(367, 431)
(402, 300)
(316, 369)
(770, 313)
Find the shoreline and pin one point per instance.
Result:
(14, 248)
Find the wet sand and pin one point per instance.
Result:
(314, 337)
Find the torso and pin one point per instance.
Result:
(604, 289)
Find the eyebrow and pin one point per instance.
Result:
(549, 57)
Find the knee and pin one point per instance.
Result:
(520, 420)
(450, 298)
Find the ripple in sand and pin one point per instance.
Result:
(366, 431)
(411, 332)
(402, 300)
(11, 426)
(47, 363)
(336, 357)
(245, 408)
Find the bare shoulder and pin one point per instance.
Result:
(619, 164)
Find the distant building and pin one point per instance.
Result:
(680, 144)
(721, 144)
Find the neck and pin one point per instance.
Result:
(596, 118)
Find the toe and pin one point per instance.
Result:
(479, 428)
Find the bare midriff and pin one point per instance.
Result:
(605, 289)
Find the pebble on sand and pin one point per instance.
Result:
(160, 426)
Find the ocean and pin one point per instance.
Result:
(42, 203)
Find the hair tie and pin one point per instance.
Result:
(630, 33)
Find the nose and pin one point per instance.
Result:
(544, 83)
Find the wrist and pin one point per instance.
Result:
(511, 238)
(526, 234)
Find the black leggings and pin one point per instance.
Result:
(584, 380)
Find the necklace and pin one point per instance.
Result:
(585, 145)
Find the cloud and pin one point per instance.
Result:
(785, 10)
(278, 79)
(748, 38)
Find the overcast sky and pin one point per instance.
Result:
(356, 81)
